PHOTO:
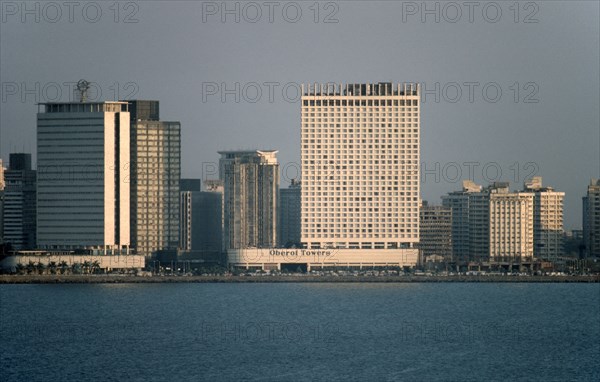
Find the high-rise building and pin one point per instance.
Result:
(83, 189)
(19, 212)
(1, 202)
(510, 225)
(1, 175)
(251, 188)
(201, 220)
(470, 222)
(435, 231)
(591, 219)
(360, 169)
(548, 228)
(289, 215)
(155, 175)
(187, 187)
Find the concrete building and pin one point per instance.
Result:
(251, 188)
(436, 231)
(360, 151)
(289, 215)
(548, 227)
(1, 175)
(510, 225)
(470, 222)
(491, 223)
(83, 190)
(201, 222)
(1, 202)
(591, 219)
(19, 211)
(155, 175)
(187, 187)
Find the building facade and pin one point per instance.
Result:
(591, 219)
(436, 231)
(19, 211)
(548, 226)
(510, 225)
(1, 202)
(201, 222)
(155, 175)
(491, 223)
(360, 150)
(470, 222)
(83, 187)
(186, 189)
(1, 175)
(289, 215)
(250, 198)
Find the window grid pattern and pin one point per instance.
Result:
(360, 170)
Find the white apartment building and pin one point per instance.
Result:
(548, 226)
(510, 225)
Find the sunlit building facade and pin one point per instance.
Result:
(548, 226)
(155, 176)
(360, 150)
(511, 225)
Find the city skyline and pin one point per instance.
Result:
(394, 190)
(554, 134)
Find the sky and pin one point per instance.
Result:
(510, 89)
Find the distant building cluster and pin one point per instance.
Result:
(108, 182)
(499, 225)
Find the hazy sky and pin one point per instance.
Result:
(542, 56)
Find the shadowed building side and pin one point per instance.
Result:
(250, 198)
(83, 188)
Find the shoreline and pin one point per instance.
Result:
(130, 279)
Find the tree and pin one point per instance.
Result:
(86, 267)
(41, 267)
(63, 267)
(52, 267)
(30, 267)
(76, 268)
(95, 266)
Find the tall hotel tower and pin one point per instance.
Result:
(83, 175)
(360, 172)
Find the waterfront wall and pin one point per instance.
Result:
(105, 262)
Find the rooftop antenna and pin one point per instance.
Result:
(83, 87)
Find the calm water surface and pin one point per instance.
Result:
(277, 332)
